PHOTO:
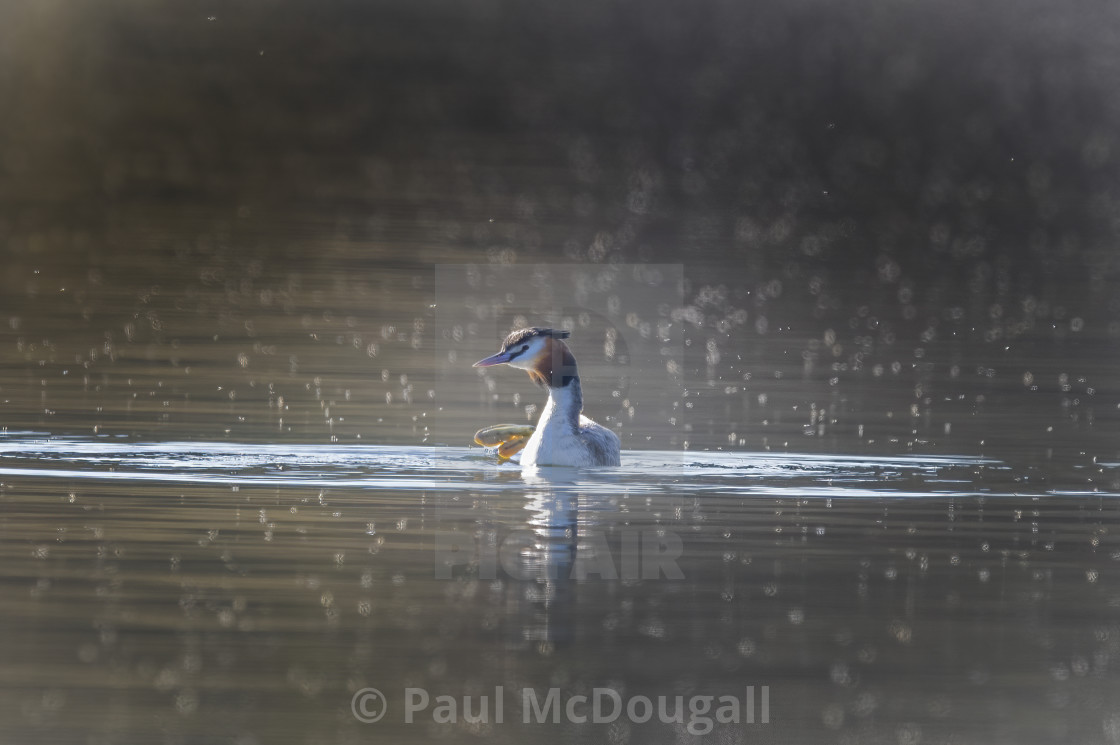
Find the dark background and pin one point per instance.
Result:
(897, 202)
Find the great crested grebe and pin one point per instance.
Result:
(563, 435)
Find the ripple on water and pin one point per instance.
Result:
(449, 468)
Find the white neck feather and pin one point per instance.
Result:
(564, 404)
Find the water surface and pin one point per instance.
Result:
(842, 276)
(163, 591)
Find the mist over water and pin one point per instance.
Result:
(844, 278)
(904, 216)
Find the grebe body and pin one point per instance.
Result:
(563, 435)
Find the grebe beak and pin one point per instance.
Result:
(495, 359)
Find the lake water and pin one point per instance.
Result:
(216, 591)
(842, 276)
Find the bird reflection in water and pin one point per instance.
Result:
(544, 599)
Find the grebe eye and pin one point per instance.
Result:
(523, 348)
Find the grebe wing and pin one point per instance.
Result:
(602, 443)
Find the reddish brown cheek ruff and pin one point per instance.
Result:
(555, 354)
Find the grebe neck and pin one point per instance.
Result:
(565, 403)
(555, 370)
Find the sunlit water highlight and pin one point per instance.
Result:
(383, 466)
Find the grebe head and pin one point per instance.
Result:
(539, 352)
